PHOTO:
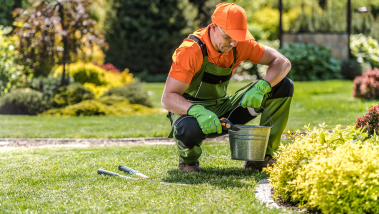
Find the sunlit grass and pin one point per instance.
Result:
(64, 180)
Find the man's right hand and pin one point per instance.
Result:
(208, 121)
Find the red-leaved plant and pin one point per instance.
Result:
(370, 121)
(367, 85)
(108, 67)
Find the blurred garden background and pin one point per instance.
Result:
(96, 69)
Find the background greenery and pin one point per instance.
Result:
(142, 35)
(313, 103)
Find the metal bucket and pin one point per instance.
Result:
(249, 143)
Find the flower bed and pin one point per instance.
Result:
(335, 172)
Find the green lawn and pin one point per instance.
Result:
(313, 103)
(64, 180)
(84, 127)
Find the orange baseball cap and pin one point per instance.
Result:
(232, 19)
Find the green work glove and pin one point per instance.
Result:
(253, 98)
(208, 121)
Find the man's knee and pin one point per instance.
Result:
(188, 132)
(283, 89)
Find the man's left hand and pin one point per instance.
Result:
(253, 98)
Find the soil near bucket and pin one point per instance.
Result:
(249, 143)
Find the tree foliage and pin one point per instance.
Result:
(12, 74)
(6, 18)
(205, 10)
(143, 35)
(54, 32)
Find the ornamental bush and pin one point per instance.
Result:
(367, 85)
(302, 150)
(84, 108)
(95, 78)
(47, 85)
(107, 105)
(370, 122)
(109, 67)
(311, 62)
(72, 94)
(365, 49)
(133, 92)
(23, 101)
(344, 181)
(12, 75)
(335, 172)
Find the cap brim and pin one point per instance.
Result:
(239, 35)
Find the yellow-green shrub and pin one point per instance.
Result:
(346, 181)
(84, 108)
(95, 78)
(71, 94)
(133, 92)
(107, 105)
(97, 90)
(302, 150)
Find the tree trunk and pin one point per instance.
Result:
(65, 45)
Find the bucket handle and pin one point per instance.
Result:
(271, 122)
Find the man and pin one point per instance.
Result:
(195, 90)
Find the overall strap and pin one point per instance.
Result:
(202, 46)
(234, 54)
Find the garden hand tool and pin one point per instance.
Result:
(132, 171)
(226, 125)
(253, 98)
(105, 172)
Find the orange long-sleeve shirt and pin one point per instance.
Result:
(187, 59)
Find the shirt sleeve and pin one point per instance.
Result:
(187, 60)
(250, 50)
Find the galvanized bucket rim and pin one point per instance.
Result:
(249, 126)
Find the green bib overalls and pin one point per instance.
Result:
(209, 88)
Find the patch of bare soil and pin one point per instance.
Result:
(290, 206)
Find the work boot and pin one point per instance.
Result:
(259, 164)
(189, 168)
